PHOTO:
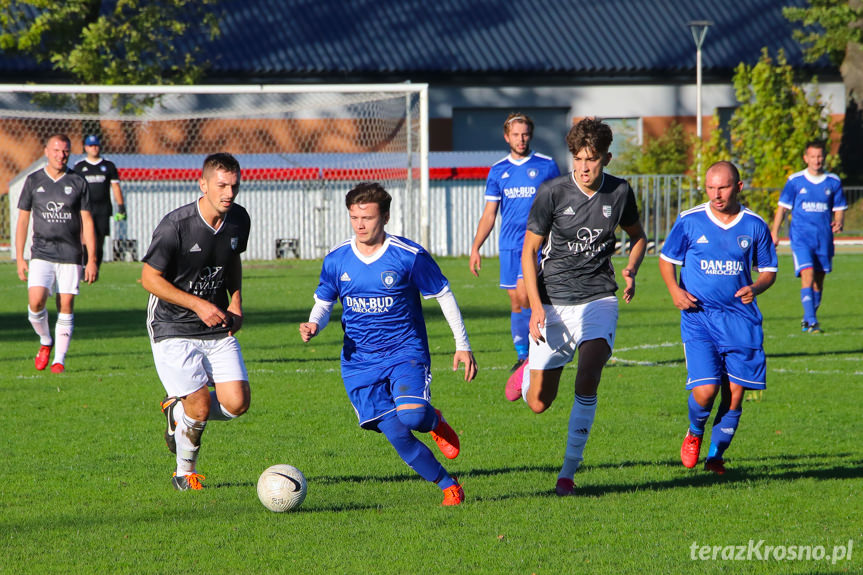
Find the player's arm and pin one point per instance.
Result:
(778, 217)
(463, 353)
(637, 247)
(119, 200)
(234, 284)
(319, 317)
(154, 282)
(681, 298)
(838, 221)
(88, 228)
(20, 241)
(483, 229)
(765, 280)
(529, 252)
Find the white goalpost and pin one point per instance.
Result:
(300, 147)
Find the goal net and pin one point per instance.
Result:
(300, 148)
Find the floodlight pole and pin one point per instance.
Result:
(699, 31)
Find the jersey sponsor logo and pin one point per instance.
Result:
(369, 304)
(744, 242)
(722, 267)
(54, 213)
(345, 277)
(389, 279)
(208, 282)
(67, 190)
(569, 211)
(586, 240)
(702, 240)
(815, 207)
(95, 178)
(606, 211)
(195, 248)
(520, 192)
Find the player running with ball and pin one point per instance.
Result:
(385, 361)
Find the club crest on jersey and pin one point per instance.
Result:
(606, 211)
(532, 173)
(744, 242)
(389, 279)
(67, 190)
(235, 241)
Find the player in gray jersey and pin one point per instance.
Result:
(572, 301)
(194, 275)
(104, 181)
(58, 200)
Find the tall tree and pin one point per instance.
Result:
(835, 28)
(115, 42)
(770, 127)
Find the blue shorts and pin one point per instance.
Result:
(375, 389)
(510, 268)
(706, 363)
(819, 259)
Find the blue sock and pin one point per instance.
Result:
(698, 416)
(414, 452)
(807, 298)
(816, 296)
(422, 419)
(724, 428)
(580, 421)
(520, 328)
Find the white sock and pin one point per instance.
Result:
(63, 336)
(525, 381)
(217, 411)
(188, 437)
(580, 422)
(40, 324)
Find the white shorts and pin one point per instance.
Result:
(566, 326)
(58, 278)
(187, 365)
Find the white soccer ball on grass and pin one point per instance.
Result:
(282, 488)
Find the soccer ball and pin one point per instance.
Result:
(282, 488)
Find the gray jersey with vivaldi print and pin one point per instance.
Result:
(55, 210)
(197, 259)
(575, 265)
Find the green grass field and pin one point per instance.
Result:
(85, 476)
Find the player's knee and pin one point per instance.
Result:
(419, 418)
(538, 405)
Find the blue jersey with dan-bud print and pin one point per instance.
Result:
(812, 201)
(715, 261)
(382, 313)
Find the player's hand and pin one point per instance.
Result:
(121, 213)
(836, 227)
(746, 294)
(308, 330)
(475, 263)
(537, 322)
(22, 269)
(211, 315)
(91, 272)
(467, 358)
(775, 237)
(234, 322)
(683, 300)
(629, 291)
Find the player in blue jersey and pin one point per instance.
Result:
(512, 183)
(716, 245)
(817, 205)
(386, 367)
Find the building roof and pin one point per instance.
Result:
(488, 40)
